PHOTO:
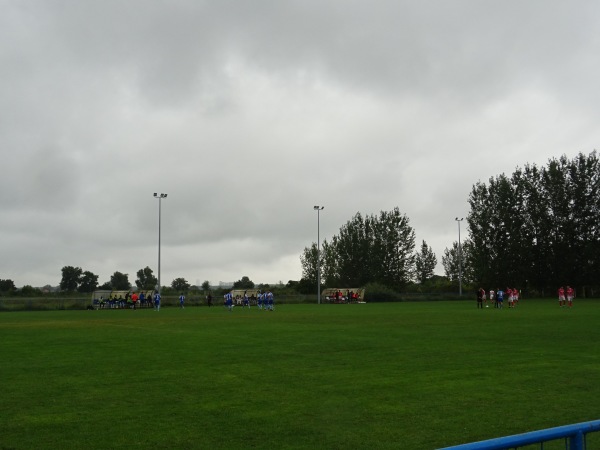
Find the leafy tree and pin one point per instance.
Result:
(180, 284)
(106, 286)
(305, 286)
(29, 291)
(367, 249)
(538, 226)
(70, 278)
(244, 283)
(206, 286)
(146, 279)
(7, 285)
(308, 260)
(425, 262)
(88, 282)
(120, 281)
(450, 261)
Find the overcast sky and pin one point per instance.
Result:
(249, 113)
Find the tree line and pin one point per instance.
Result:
(371, 249)
(536, 229)
(75, 279)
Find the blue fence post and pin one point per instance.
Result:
(576, 441)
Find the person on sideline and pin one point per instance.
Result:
(479, 298)
(493, 297)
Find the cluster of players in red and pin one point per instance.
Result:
(497, 297)
(566, 296)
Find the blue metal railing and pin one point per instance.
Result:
(574, 436)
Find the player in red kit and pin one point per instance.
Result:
(561, 296)
(570, 295)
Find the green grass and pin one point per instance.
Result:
(393, 375)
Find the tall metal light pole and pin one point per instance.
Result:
(459, 258)
(318, 209)
(159, 197)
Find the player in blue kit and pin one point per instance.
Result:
(500, 297)
(270, 301)
(246, 300)
(260, 300)
(229, 301)
(181, 301)
(156, 301)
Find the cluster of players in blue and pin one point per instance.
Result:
(265, 301)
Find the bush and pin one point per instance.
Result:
(375, 292)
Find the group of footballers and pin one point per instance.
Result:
(566, 296)
(497, 297)
(264, 300)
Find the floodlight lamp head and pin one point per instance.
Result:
(315, 207)
(155, 194)
(164, 195)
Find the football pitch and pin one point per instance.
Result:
(365, 376)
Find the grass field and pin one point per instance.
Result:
(393, 375)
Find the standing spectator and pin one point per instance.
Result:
(181, 301)
(134, 299)
(561, 297)
(480, 298)
(570, 295)
(209, 299)
(142, 299)
(493, 297)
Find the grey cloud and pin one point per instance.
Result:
(247, 114)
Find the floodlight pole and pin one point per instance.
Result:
(318, 209)
(159, 197)
(458, 221)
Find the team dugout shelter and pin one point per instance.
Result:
(343, 295)
(100, 297)
(238, 295)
